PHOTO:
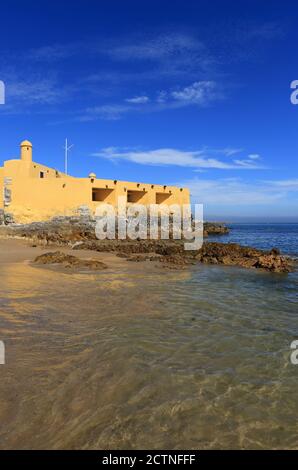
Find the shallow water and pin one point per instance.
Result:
(148, 358)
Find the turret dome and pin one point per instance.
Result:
(26, 143)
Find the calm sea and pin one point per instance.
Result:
(264, 236)
(142, 357)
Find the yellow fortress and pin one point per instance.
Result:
(34, 192)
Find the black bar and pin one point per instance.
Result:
(138, 458)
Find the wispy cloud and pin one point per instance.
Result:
(288, 185)
(169, 156)
(32, 92)
(254, 156)
(43, 91)
(109, 112)
(56, 52)
(173, 53)
(248, 162)
(196, 93)
(138, 100)
(171, 69)
(265, 31)
(199, 94)
(157, 48)
(177, 46)
(236, 192)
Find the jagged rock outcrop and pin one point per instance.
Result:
(69, 261)
(59, 230)
(232, 254)
(172, 252)
(215, 228)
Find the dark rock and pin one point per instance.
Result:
(232, 254)
(274, 251)
(215, 228)
(69, 261)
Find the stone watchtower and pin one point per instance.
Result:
(26, 151)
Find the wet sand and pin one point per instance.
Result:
(60, 371)
(22, 251)
(138, 356)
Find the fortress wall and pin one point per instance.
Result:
(39, 193)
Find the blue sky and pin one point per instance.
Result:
(193, 93)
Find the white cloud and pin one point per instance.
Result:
(170, 156)
(162, 96)
(138, 100)
(171, 56)
(229, 151)
(167, 58)
(289, 185)
(254, 156)
(197, 93)
(234, 192)
(251, 160)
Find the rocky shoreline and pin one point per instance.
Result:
(60, 229)
(80, 234)
(173, 255)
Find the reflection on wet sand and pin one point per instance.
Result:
(142, 357)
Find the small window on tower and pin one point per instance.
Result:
(41, 174)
